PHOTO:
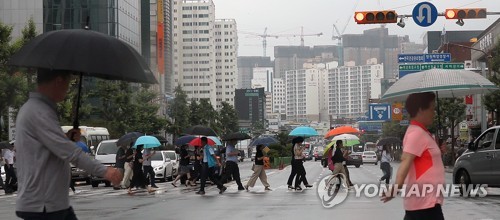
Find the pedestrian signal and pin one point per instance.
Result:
(375, 17)
(470, 13)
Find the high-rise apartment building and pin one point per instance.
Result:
(263, 78)
(302, 94)
(226, 53)
(350, 88)
(294, 57)
(279, 97)
(193, 46)
(245, 69)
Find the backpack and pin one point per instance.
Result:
(331, 165)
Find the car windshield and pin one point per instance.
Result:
(107, 148)
(369, 153)
(171, 155)
(157, 156)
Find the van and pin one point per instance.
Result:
(91, 136)
(480, 163)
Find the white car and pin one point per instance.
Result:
(2, 171)
(106, 154)
(369, 157)
(165, 165)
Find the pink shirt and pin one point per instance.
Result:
(427, 168)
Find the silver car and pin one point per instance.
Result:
(480, 164)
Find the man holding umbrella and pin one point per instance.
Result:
(208, 167)
(232, 168)
(44, 152)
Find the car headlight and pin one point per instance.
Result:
(158, 168)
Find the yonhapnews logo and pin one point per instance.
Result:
(332, 190)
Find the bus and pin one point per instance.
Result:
(91, 136)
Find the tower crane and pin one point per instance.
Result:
(340, 48)
(264, 37)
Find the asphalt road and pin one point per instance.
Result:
(280, 203)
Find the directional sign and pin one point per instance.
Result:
(405, 69)
(431, 66)
(453, 66)
(380, 112)
(409, 67)
(425, 14)
(437, 57)
(410, 58)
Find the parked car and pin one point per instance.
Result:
(355, 159)
(80, 175)
(163, 166)
(369, 157)
(2, 172)
(174, 158)
(318, 153)
(106, 154)
(480, 163)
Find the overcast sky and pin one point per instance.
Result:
(318, 16)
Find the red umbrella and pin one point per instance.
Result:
(341, 130)
(197, 142)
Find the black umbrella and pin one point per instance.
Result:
(128, 138)
(86, 52)
(238, 136)
(388, 141)
(162, 139)
(266, 141)
(184, 140)
(200, 130)
(5, 145)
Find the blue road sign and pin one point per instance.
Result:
(404, 73)
(425, 14)
(437, 57)
(410, 58)
(380, 112)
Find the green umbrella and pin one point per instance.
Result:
(347, 143)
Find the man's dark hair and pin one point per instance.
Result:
(417, 101)
(204, 139)
(338, 143)
(47, 75)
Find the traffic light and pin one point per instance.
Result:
(469, 13)
(375, 17)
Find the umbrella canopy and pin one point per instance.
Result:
(304, 132)
(200, 130)
(189, 138)
(345, 143)
(236, 136)
(345, 137)
(184, 140)
(448, 83)
(5, 145)
(89, 52)
(161, 139)
(266, 141)
(128, 138)
(341, 130)
(197, 142)
(147, 142)
(389, 141)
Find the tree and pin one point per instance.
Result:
(145, 118)
(258, 128)
(194, 113)
(491, 100)
(452, 112)
(228, 118)
(393, 129)
(209, 117)
(179, 113)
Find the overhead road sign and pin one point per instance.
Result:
(424, 58)
(437, 57)
(425, 14)
(405, 69)
(380, 112)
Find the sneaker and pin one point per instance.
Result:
(200, 192)
(155, 186)
(268, 189)
(246, 188)
(241, 188)
(222, 190)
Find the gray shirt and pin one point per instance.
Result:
(231, 149)
(43, 156)
(146, 161)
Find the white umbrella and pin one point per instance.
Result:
(345, 137)
(447, 83)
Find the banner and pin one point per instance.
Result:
(160, 50)
(397, 111)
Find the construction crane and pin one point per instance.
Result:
(264, 37)
(340, 48)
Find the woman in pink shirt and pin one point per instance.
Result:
(421, 170)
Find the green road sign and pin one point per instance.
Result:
(428, 66)
(409, 67)
(453, 66)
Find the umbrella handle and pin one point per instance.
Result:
(76, 122)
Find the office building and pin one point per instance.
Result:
(250, 105)
(263, 78)
(279, 97)
(18, 13)
(293, 57)
(245, 69)
(226, 53)
(302, 94)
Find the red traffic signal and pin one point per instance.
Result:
(468, 13)
(375, 17)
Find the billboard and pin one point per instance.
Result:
(160, 45)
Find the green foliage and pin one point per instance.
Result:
(393, 129)
(491, 100)
(194, 113)
(258, 128)
(179, 113)
(228, 119)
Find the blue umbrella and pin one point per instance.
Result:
(304, 132)
(147, 142)
(266, 141)
(216, 140)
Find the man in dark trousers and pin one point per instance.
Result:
(232, 168)
(208, 167)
